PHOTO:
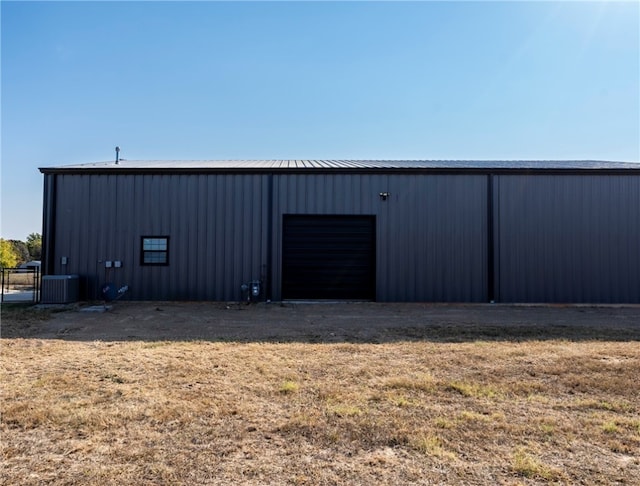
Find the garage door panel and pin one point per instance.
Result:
(328, 257)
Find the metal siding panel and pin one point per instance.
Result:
(59, 231)
(211, 233)
(431, 233)
(73, 236)
(133, 261)
(496, 202)
(121, 246)
(233, 253)
(82, 250)
(569, 238)
(257, 229)
(279, 192)
(96, 247)
(199, 235)
(266, 233)
(220, 237)
(192, 257)
(99, 209)
(86, 227)
(65, 210)
(111, 215)
(48, 224)
(229, 222)
(633, 286)
(181, 253)
(250, 268)
(437, 239)
(209, 219)
(237, 250)
(146, 228)
(109, 225)
(245, 273)
(154, 279)
(230, 243)
(330, 202)
(371, 189)
(339, 198)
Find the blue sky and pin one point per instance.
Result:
(311, 80)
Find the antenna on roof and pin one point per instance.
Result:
(117, 155)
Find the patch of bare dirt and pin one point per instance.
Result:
(351, 322)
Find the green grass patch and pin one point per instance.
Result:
(610, 427)
(473, 390)
(288, 387)
(530, 467)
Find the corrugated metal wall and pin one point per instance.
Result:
(431, 231)
(216, 224)
(558, 238)
(568, 238)
(435, 243)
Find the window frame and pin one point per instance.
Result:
(143, 252)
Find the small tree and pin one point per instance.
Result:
(21, 250)
(8, 257)
(34, 244)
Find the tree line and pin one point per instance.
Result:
(15, 252)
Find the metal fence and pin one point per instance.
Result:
(20, 285)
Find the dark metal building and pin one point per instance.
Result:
(431, 231)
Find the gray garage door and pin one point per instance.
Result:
(328, 257)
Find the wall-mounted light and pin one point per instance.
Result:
(384, 196)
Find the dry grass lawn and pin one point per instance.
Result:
(202, 412)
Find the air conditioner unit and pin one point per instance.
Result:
(60, 289)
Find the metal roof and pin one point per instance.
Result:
(341, 165)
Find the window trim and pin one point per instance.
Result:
(143, 251)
